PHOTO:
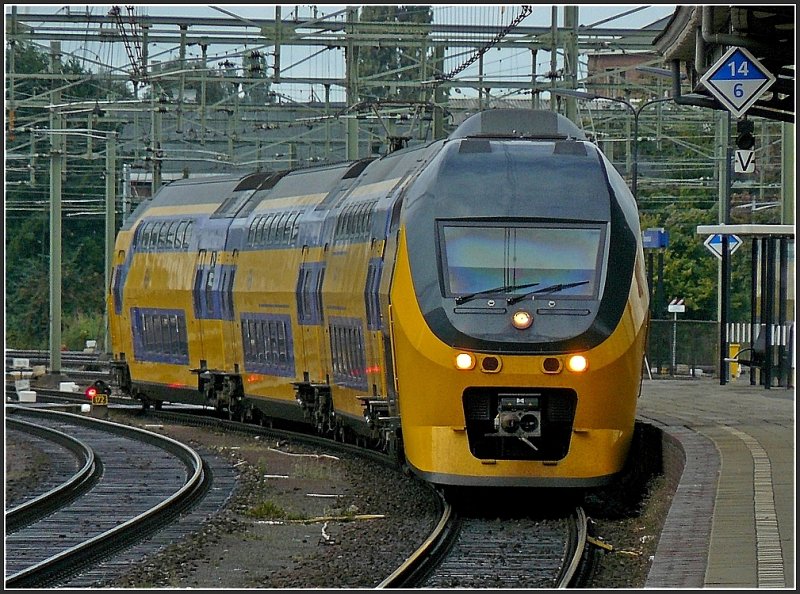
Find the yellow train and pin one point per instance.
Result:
(477, 305)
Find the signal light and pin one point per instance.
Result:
(744, 135)
(97, 387)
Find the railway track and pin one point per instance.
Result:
(65, 453)
(77, 365)
(39, 357)
(462, 550)
(474, 552)
(147, 480)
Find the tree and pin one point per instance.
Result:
(27, 235)
(391, 62)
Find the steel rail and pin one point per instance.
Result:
(577, 543)
(37, 507)
(74, 559)
(417, 566)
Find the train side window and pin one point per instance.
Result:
(335, 350)
(183, 340)
(283, 350)
(177, 240)
(348, 222)
(309, 293)
(347, 344)
(209, 288)
(263, 229)
(171, 228)
(339, 223)
(267, 239)
(259, 343)
(116, 287)
(198, 284)
(270, 343)
(251, 231)
(286, 232)
(361, 226)
(144, 239)
(294, 228)
(158, 335)
(226, 289)
(280, 225)
(276, 235)
(303, 296)
(155, 236)
(150, 336)
(371, 296)
(247, 341)
(162, 235)
(187, 235)
(150, 236)
(162, 334)
(254, 228)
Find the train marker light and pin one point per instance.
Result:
(521, 320)
(577, 363)
(551, 365)
(465, 361)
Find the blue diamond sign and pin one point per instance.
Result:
(714, 244)
(737, 80)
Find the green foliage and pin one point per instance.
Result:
(267, 510)
(27, 229)
(82, 327)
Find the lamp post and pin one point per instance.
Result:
(636, 111)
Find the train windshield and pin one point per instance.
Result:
(481, 259)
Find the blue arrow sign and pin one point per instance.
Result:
(714, 243)
(737, 80)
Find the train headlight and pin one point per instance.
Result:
(521, 320)
(465, 361)
(577, 363)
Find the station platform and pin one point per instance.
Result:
(731, 523)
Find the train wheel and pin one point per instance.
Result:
(237, 411)
(341, 433)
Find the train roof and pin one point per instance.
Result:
(519, 123)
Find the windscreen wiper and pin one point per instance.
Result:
(503, 289)
(550, 289)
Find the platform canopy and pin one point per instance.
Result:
(747, 230)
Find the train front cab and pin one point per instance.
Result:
(515, 413)
(589, 414)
